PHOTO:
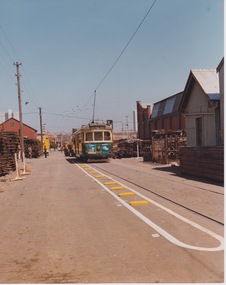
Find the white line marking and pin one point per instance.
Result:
(155, 235)
(155, 226)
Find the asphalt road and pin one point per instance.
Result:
(64, 224)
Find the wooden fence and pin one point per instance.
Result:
(205, 162)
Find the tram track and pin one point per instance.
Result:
(99, 175)
(162, 196)
(171, 180)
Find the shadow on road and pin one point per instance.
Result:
(72, 160)
(175, 171)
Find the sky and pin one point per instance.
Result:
(70, 48)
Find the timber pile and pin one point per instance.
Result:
(166, 145)
(9, 142)
(35, 146)
(204, 162)
(125, 149)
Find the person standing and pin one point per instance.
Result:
(45, 151)
(30, 151)
(18, 152)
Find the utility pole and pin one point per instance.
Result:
(20, 109)
(127, 125)
(40, 116)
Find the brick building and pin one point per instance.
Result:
(143, 123)
(166, 115)
(13, 125)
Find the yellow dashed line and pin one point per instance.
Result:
(117, 188)
(86, 168)
(110, 183)
(93, 172)
(100, 176)
(135, 203)
(126, 194)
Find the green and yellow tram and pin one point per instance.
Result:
(94, 141)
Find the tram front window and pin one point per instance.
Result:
(89, 136)
(98, 136)
(107, 136)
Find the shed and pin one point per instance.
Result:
(201, 108)
(220, 70)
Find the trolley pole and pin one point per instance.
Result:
(94, 103)
(20, 110)
(41, 130)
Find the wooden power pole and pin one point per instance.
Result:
(20, 109)
(40, 116)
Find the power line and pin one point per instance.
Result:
(117, 59)
(9, 42)
(10, 57)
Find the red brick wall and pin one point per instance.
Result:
(14, 126)
(172, 122)
(143, 115)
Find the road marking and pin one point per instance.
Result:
(161, 231)
(125, 194)
(117, 188)
(136, 203)
(155, 235)
(100, 176)
(110, 183)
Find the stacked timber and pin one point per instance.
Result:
(9, 142)
(166, 145)
(126, 148)
(205, 162)
(35, 146)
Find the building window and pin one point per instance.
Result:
(155, 110)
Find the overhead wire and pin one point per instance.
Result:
(13, 49)
(15, 58)
(127, 44)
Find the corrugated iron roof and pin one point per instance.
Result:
(209, 81)
(166, 106)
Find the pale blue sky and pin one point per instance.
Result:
(67, 46)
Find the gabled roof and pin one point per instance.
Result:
(220, 65)
(208, 80)
(10, 119)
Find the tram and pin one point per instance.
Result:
(94, 141)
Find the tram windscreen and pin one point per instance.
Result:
(89, 136)
(107, 136)
(98, 136)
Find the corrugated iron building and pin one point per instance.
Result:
(220, 71)
(201, 107)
